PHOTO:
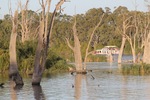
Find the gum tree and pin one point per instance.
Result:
(44, 34)
(13, 67)
(76, 50)
(146, 37)
(77, 47)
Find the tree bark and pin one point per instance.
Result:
(37, 74)
(146, 55)
(132, 45)
(77, 50)
(121, 50)
(13, 68)
(125, 26)
(133, 53)
(146, 40)
(24, 21)
(39, 55)
(43, 42)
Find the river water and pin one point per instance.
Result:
(105, 82)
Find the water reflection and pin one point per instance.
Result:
(13, 91)
(38, 92)
(80, 81)
(120, 68)
(124, 88)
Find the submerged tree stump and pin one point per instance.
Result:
(81, 72)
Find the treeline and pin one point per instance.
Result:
(109, 33)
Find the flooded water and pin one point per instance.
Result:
(103, 83)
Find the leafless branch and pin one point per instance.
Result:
(68, 43)
(94, 32)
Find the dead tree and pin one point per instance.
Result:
(121, 49)
(132, 35)
(123, 31)
(146, 40)
(76, 50)
(43, 40)
(25, 22)
(89, 42)
(13, 68)
(146, 54)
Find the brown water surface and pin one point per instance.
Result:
(103, 83)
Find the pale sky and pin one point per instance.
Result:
(81, 5)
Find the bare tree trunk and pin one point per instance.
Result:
(40, 59)
(87, 49)
(24, 21)
(77, 50)
(13, 68)
(37, 74)
(146, 40)
(133, 54)
(121, 49)
(146, 55)
(78, 57)
(43, 42)
(125, 26)
(132, 45)
(133, 41)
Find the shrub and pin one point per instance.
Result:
(136, 69)
(96, 58)
(26, 64)
(55, 63)
(4, 60)
(60, 66)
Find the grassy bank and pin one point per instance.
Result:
(136, 69)
(96, 58)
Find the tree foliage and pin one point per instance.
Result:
(106, 34)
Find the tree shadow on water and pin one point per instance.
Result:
(38, 92)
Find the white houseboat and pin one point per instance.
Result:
(107, 50)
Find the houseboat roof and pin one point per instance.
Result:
(111, 46)
(107, 50)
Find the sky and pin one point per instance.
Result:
(81, 6)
